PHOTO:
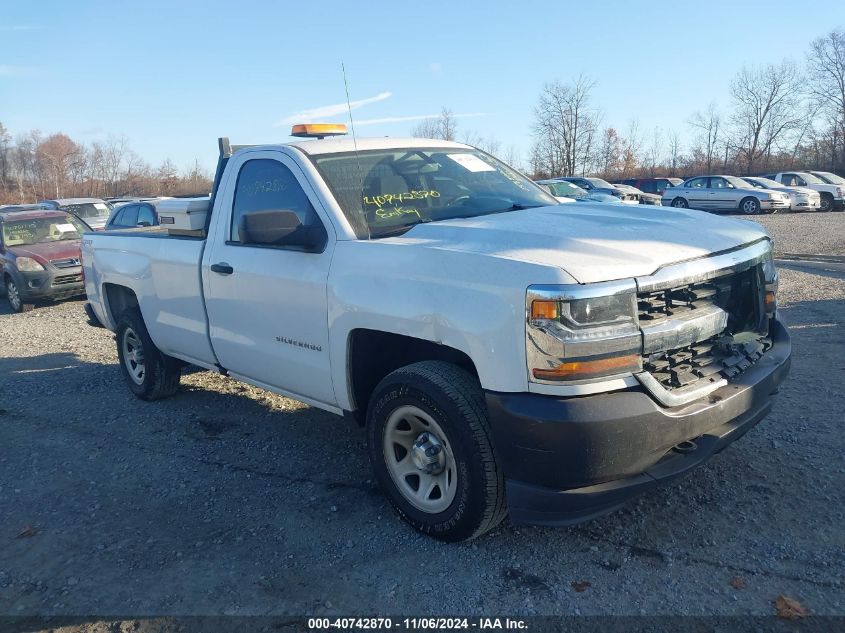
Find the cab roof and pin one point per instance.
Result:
(338, 145)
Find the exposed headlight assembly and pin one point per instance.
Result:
(770, 280)
(581, 332)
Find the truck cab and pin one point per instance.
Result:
(506, 354)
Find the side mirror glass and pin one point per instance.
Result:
(280, 227)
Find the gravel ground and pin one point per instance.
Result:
(229, 500)
(806, 233)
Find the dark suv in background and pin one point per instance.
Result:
(39, 255)
(652, 185)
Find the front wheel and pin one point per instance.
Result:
(429, 444)
(750, 206)
(680, 203)
(13, 296)
(149, 374)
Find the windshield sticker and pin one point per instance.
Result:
(395, 198)
(471, 162)
(65, 228)
(100, 206)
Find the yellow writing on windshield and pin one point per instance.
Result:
(398, 198)
(395, 212)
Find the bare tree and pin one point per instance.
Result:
(609, 154)
(709, 125)
(631, 149)
(655, 150)
(765, 108)
(444, 126)
(826, 70)
(674, 152)
(488, 144)
(564, 127)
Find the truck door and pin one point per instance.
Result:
(267, 306)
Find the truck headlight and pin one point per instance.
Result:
(27, 264)
(582, 331)
(770, 281)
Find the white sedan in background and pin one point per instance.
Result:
(800, 198)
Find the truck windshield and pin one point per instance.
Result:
(40, 230)
(386, 192)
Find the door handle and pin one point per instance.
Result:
(222, 268)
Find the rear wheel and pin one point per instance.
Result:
(750, 206)
(680, 203)
(149, 374)
(826, 202)
(429, 444)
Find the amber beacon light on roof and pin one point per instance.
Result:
(318, 130)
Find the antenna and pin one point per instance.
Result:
(354, 143)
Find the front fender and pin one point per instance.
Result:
(469, 302)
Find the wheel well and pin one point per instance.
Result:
(118, 300)
(373, 355)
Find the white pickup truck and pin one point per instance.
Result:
(507, 354)
(832, 195)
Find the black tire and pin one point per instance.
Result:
(13, 296)
(826, 202)
(749, 206)
(161, 373)
(680, 203)
(454, 400)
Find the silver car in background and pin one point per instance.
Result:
(94, 211)
(800, 198)
(641, 196)
(724, 193)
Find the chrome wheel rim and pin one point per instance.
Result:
(750, 207)
(679, 204)
(419, 459)
(133, 356)
(824, 205)
(13, 295)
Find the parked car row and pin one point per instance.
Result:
(795, 191)
(749, 195)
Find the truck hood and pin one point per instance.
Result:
(592, 242)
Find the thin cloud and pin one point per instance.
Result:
(325, 112)
(13, 71)
(420, 117)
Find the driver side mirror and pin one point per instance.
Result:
(280, 227)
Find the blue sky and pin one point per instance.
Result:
(173, 76)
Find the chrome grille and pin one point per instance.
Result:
(69, 262)
(63, 280)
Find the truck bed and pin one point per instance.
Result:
(164, 273)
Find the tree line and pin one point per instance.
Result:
(34, 167)
(785, 115)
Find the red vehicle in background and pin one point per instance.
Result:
(39, 256)
(652, 185)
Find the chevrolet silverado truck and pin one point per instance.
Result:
(506, 354)
(832, 195)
